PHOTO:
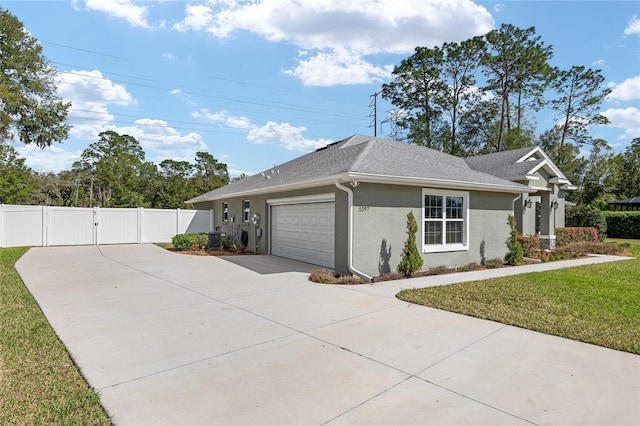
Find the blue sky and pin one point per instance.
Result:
(261, 82)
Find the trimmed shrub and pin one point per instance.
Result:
(565, 236)
(411, 261)
(493, 263)
(589, 247)
(515, 256)
(323, 276)
(190, 241)
(623, 224)
(530, 244)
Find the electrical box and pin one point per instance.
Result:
(259, 232)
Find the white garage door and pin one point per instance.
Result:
(304, 232)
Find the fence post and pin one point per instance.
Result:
(140, 224)
(177, 221)
(44, 238)
(96, 223)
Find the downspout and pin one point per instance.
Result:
(352, 269)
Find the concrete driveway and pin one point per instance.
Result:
(173, 339)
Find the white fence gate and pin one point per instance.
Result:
(61, 226)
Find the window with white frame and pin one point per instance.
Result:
(246, 211)
(445, 220)
(225, 212)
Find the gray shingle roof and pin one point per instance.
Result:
(365, 156)
(514, 164)
(504, 164)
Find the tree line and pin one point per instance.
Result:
(111, 172)
(481, 96)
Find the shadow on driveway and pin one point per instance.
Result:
(267, 264)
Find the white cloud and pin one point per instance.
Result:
(627, 119)
(229, 120)
(598, 63)
(633, 27)
(199, 17)
(361, 28)
(286, 135)
(337, 67)
(283, 134)
(123, 9)
(628, 90)
(161, 141)
(90, 93)
(367, 26)
(51, 159)
(234, 173)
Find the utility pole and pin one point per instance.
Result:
(374, 113)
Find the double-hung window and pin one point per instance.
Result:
(246, 211)
(445, 220)
(225, 212)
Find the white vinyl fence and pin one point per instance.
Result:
(61, 226)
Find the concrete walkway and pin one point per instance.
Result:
(173, 339)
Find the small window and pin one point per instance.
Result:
(246, 211)
(445, 220)
(225, 212)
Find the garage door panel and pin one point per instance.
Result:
(304, 232)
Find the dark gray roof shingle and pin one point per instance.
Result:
(363, 155)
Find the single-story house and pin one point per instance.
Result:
(628, 204)
(345, 206)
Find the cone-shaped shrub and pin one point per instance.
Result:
(411, 261)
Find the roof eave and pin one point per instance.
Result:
(328, 180)
(524, 177)
(371, 178)
(439, 183)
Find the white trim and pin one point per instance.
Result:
(559, 181)
(439, 183)
(314, 183)
(225, 211)
(546, 159)
(440, 248)
(305, 199)
(246, 212)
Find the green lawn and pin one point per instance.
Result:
(39, 383)
(597, 304)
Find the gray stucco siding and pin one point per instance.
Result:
(380, 214)
(259, 205)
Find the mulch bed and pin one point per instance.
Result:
(234, 251)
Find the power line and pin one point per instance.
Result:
(285, 106)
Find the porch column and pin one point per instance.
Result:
(548, 206)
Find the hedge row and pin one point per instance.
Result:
(565, 236)
(623, 224)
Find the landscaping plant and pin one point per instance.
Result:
(515, 256)
(411, 261)
(190, 241)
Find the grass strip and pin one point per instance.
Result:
(598, 304)
(39, 383)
